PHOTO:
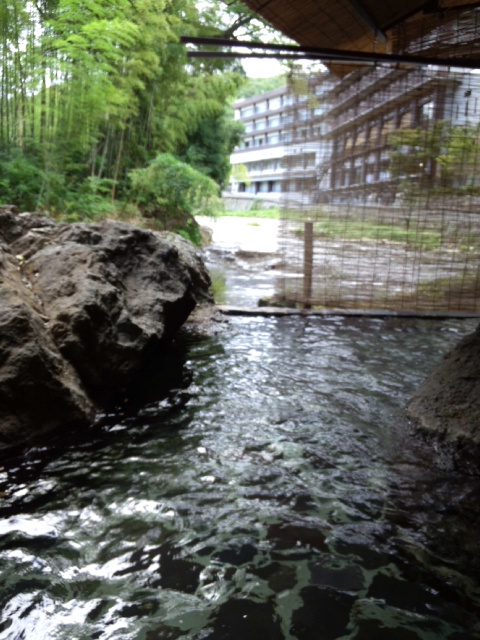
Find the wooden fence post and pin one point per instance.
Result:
(307, 264)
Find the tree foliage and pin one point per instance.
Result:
(441, 157)
(208, 148)
(233, 19)
(21, 180)
(169, 191)
(257, 86)
(92, 90)
(169, 186)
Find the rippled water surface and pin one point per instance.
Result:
(271, 493)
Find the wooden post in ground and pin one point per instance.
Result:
(307, 264)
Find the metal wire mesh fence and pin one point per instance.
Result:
(381, 196)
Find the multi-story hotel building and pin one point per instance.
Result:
(257, 164)
(278, 125)
(329, 141)
(367, 106)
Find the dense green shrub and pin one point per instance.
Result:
(168, 187)
(209, 147)
(89, 201)
(21, 182)
(169, 192)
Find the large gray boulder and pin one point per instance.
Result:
(447, 405)
(39, 389)
(82, 307)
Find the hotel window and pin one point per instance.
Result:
(427, 110)
(405, 120)
(274, 103)
(361, 138)
(247, 111)
(388, 126)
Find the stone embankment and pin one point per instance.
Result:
(82, 306)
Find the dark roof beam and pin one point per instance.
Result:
(315, 53)
(406, 16)
(362, 11)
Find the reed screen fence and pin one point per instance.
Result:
(381, 191)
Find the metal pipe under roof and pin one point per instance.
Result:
(293, 52)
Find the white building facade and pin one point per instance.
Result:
(279, 127)
(329, 141)
(257, 163)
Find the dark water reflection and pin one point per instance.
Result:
(272, 493)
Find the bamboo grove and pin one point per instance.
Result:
(91, 90)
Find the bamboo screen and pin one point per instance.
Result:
(381, 191)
